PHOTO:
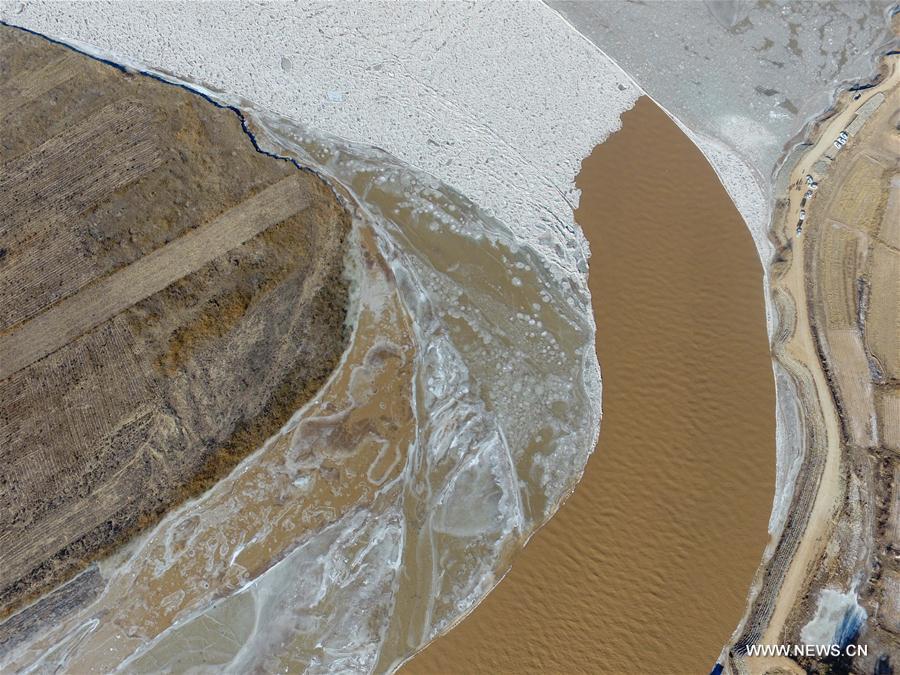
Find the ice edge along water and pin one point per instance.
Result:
(417, 88)
(558, 317)
(752, 198)
(569, 259)
(755, 198)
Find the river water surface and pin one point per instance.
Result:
(647, 566)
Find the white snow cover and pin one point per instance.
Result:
(838, 616)
(499, 100)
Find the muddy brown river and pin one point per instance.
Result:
(647, 566)
(457, 420)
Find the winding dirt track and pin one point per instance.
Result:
(821, 487)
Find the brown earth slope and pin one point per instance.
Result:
(836, 280)
(852, 282)
(168, 297)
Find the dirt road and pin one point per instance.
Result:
(800, 353)
(111, 295)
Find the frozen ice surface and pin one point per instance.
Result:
(506, 411)
(499, 100)
(748, 74)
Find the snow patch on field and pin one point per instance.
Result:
(837, 620)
